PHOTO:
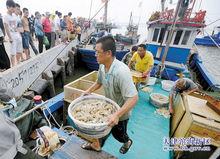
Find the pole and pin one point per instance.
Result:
(90, 9)
(170, 37)
(29, 111)
(105, 13)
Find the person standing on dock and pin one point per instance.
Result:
(26, 34)
(144, 62)
(4, 60)
(11, 24)
(47, 28)
(183, 86)
(117, 82)
(38, 27)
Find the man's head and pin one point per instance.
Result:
(25, 12)
(59, 14)
(17, 9)
(105, 49)
(134, 49)
(10, 4)
(70, 14)
(180, 83)
(47, 14)
(37, 15)
(141, 50)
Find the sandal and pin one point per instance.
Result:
(125, 149)
(88, 146)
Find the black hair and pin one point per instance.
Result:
(143, 46)
(59, 13)
(70, 13)
(10, 3)
(24, 9)
(134, 48)
(56, 12)
(108, 43)
(17, 5)
(36, 13)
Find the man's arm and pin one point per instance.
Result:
(129, 104)
(93, 88)
(8, 32)
(171, 103)
(148, 71)
(190, 91)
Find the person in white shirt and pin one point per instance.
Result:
(57, 26)
(11, 24)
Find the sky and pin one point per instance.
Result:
(118, 10)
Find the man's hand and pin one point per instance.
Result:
(171, 110)
(113, 120)
(86, 93)
(145, 74)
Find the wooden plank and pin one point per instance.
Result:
(200, 107)
(91, 76)
(179, 110)
(184, 126)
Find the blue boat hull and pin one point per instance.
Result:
(207, 41)
(205, 79)
(88, 56)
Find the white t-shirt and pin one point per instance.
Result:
(12, 21)
(57, 22)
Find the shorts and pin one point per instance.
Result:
(25, 40)
(16, 45)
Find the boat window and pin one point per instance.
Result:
(156, 32)
(186, 37)
(162, 33)
(178, 36)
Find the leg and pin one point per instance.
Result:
(40, 43)
(120, 133)
(32, 43)
(48, 35)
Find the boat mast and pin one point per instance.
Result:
(172, 29)
(105, 13)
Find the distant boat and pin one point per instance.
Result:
(88, 56)
(87, 52)
(131, 37)
(209, 40)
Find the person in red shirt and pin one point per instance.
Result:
(47, 28)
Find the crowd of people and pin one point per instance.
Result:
(22, 29)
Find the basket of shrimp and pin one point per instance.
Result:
(90, 114)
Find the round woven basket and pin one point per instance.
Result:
(97, 130)
(162, 101)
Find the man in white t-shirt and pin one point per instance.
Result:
(57, 26)
(11, 24)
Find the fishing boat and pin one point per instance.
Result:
(86, 50)
(131, 37)
(213, 40)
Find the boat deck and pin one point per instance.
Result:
(147, 130)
